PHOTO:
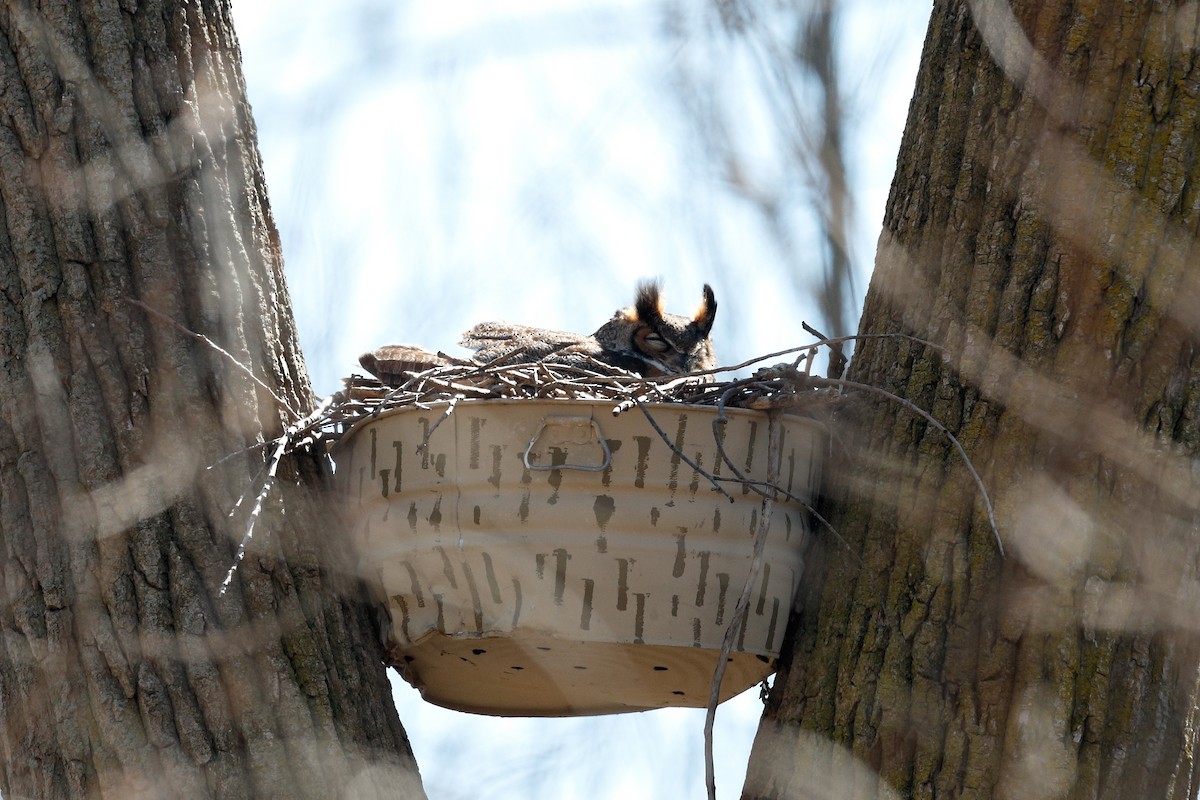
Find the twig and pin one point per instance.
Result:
(280, 447)
(762, 488)
(217, 348)
(774, 457)
(680, 453)
(424, 445)
(932, 420)
(507, 357)
(236, 453)
(283, 445)
(847, 384)
(837, 358)
(823, 343)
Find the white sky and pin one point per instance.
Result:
(432, 165)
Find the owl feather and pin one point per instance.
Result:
(642, 339)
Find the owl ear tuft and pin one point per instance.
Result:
(707, 313)
(648, 306)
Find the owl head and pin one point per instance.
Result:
(645, 339)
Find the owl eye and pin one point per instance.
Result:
(655, 343)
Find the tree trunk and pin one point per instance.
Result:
(129, 171)
(1041, 230)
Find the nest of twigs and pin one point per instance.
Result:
(784, 387)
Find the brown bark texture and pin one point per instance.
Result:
(129, 170)
(1041, 235)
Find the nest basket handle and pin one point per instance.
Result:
(564, 430)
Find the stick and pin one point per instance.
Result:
(774, 457)
(925, 415)
(681, 455)
(229, 356)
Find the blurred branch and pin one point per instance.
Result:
(793, 52)
(815, 48)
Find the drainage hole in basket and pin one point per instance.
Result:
(477, 651)
(543, 647)
(681, 694)
(660, 669)
(579, 667)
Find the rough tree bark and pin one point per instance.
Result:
(129, 170)
(1042, 230)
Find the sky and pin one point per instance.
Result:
(432, 165)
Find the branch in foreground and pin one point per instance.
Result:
(217, 349)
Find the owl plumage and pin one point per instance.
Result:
(642, 339)
(394, 364)
(649, 341)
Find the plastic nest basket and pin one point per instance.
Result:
(548, 558)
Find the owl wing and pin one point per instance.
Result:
(394, 364)
(494, 340)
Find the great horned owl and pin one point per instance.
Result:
(642, 339)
